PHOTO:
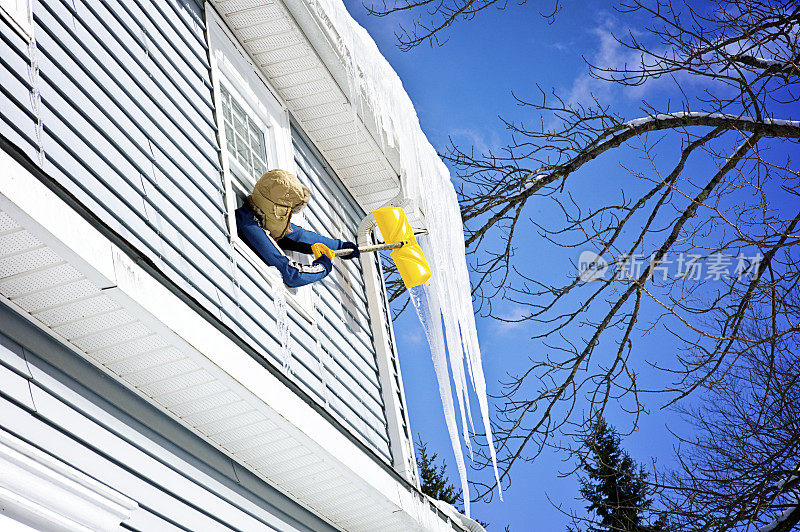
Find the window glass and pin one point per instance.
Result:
(244, 136)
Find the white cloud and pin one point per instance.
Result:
(512, 317)
(609, 53)
(483, 142)
(413, 337)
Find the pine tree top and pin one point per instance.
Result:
(615, 487)
(433, 478)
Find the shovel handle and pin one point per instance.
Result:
(367, 249)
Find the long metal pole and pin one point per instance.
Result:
(367, 249)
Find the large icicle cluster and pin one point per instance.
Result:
(376, 88)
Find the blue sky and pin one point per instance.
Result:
(459, 90)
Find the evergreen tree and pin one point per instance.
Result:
(434, 482)
(615, 487)
(433, 478)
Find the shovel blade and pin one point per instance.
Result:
(411, 265)
(394, 226)
(409, 259)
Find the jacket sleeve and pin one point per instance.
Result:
(294, 274)
(299, 239)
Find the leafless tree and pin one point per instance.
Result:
(740, 470)
(704, 174)
(430, 19)
(714, 179)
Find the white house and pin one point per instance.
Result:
(155, 374)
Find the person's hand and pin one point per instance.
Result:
(319, 249)
(350, 245)
(325, 262)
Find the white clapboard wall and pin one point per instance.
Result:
(125, 123)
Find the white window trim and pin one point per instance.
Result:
(223, 72)
(19, 18)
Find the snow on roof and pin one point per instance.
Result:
(377, 92)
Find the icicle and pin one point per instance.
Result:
(456, 354)
(282, 317)
(35, 95)
(319, 352)
(377, 92)
(426, 306)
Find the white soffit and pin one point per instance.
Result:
(292, 63)
(65, 276)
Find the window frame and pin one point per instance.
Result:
(21, 18)
(263, 106)
(267, 131)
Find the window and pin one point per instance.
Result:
(255, 137)
(18, 14)
(244, 136)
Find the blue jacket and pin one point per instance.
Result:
(296, 239)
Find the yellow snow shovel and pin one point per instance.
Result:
(399, 236)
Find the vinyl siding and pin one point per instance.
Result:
(51, 399)
(128, 128)
(351, 371)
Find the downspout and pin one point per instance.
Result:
(399, 428)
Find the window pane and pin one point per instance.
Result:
(229, 138)
(257, 141)
(258, 168)
(244, 139)
(226, 102)
(239, 119)
(243, 154)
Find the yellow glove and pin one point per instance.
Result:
(319, 249)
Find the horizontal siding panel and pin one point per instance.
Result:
(117, 194)
(163, 493)
(163, 75)
(166, 50)
(18, 125)
(128, 129)
(99, 47)
(257, 309)
(100, 100)
(14, 386)
(83, 447)
(256, 303)
(144, 520)
(19, 122)
(126, 444)
(184, 17)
